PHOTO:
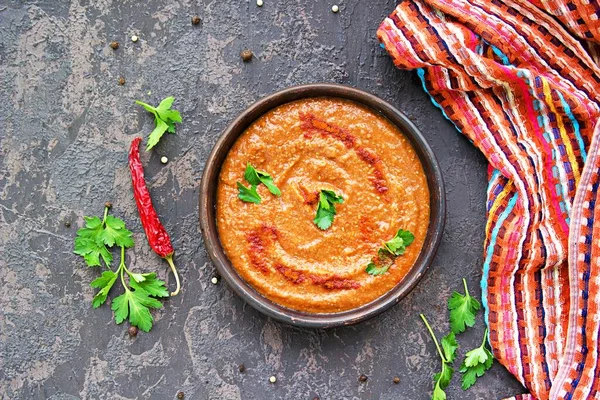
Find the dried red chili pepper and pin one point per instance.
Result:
(155, 232)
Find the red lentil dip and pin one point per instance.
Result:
(307, 146)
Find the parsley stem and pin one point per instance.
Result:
(122, 268)
(466, 289)
(485, 336)
(437, 345)
(105, 215)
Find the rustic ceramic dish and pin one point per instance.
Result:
(208, 190)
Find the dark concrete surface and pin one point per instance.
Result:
(65, 127)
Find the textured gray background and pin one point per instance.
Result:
(65, 127)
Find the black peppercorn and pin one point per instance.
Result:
(195, 20)
(363, 378)
(180, 395)
(114, 45)
(133, 331)
(246, 55)
(242, 368)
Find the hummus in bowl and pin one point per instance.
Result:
(268, 241)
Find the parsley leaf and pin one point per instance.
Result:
(104, 283)
(251, 175)
(449, 346)
(442, 379)
(476, 363)
(447, 353)
(324, 217)
(91, 251)
(256, 177)
(438, 392)
(462, 310)
(381, 264)
(92, 240)
(136, 304)
(151, 284)
(390, 250)
(165, 119)
(249, 195)
(326, 209)
(397, 245)
(115, 233)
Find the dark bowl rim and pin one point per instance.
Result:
(207, 210)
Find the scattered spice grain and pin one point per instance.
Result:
(246, 55)
(133, 331)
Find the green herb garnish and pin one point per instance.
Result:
(447, 353)
(255, 178)
(388, 253)
(137, 300)
(462, 310)
(249, 195)
(93, 243)
(326, 209)
(165, 119)
(92, 240)
(382, 263)
(476, 362)
(397, 246)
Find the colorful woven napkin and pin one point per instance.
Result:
(521, 80)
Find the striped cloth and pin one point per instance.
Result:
(520, 79)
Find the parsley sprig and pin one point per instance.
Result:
(326, 210)
(476, 363)
(387, 254)
(255, 177)
(447, 353)
(93, 243)
(165, 119)
(462, 310)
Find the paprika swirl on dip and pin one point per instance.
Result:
(307, 146)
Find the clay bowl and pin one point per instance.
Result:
(208, 190)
